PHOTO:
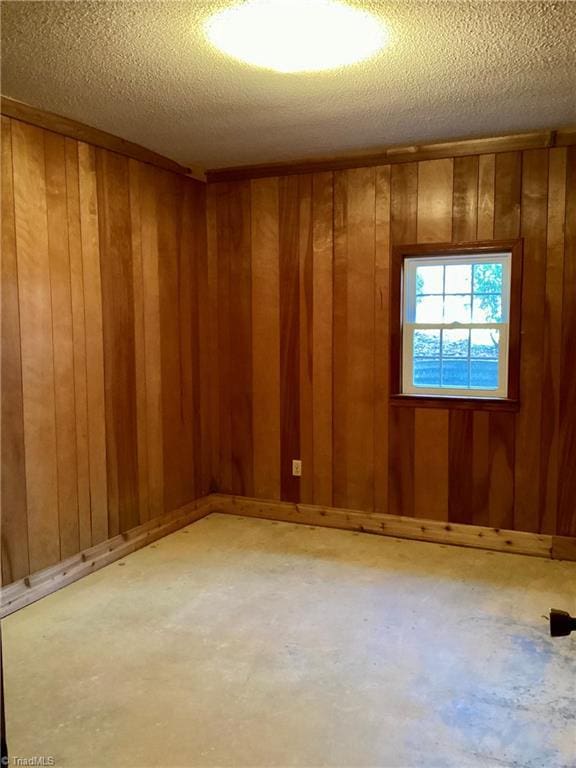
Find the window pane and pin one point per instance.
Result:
(455, 343)
(457, 309)
(488, 278)
(485, 343)
(484, 374)
(429, 279)
(426, 344)
(487, 309)
(455, 373)
(429, 309)
(458, 278)
(426, 373)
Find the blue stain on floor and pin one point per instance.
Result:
(506, 704)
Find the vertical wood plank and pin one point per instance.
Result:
(403, 229)
(190, 446)
(63, 340)
(567, 476)
(461, 466)
(360, 339)
(480, 468)
(266, 338)
(465, 200)
(241, 339)
(79, 340)
(502, 486)
(224, 348)
(203, 449)
(507, 215)
(78, 223)
(404, 203)
(322, 245)
(39, 405)
(527, 511)
(116, 271)
(381, 338)
(15, 560)
(305, 257)
(431, 428)
(213, 333)
(435, 187)
(401, 473)
(431, 447)
(340, 330)
(94, 341)
(507, 194)
(289, 335)
(486, 178)
(152, 342)
(552, 358)
(176, 448)
(139, 341)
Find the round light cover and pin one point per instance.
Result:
(296, 35)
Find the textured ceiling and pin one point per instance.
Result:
(143, 71)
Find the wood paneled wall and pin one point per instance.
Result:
(300, 281)
(161, 339)
(105, 419)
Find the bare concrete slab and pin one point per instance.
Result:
(241, 642)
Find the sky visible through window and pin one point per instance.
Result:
(457, 357)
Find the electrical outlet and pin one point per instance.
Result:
(296, 468)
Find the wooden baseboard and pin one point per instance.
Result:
(479, 537)
(25, 591)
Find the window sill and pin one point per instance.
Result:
(451, 402)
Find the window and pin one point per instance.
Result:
(458, 336)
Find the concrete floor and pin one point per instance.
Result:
(240, 642)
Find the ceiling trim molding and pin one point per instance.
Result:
(561, 137)
(18, 110)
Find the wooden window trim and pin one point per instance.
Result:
(401, 252)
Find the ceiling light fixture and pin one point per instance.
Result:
(296, 35)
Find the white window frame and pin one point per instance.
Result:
(409, 324)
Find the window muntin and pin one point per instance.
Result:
(455, 329)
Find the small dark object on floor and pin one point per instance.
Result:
(561, 623)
